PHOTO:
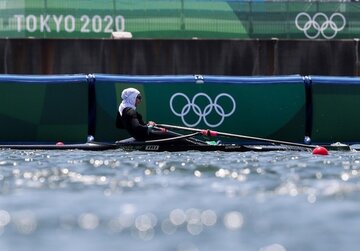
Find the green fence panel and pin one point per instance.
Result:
(335, 102)
(179, 19)
(43, 108)
(272, 107)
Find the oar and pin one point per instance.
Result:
(176, 138)
(238, 136)
(190, 137)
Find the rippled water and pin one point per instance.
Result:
(188, 201)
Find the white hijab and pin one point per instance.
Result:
(129, 98)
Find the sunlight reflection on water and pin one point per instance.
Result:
(178, 201)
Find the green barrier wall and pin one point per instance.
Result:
(179, 19)
(43, 109)
(68, 108)
(271, 107)
(335, 104)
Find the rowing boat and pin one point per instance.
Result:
(181, 142)
(139, 146)
(132, 145)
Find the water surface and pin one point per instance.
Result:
(187, 201)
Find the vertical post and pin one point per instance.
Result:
(91, 105)
(275, 56)
(357, 60)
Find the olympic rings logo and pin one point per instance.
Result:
(320, 24)
(211, 107)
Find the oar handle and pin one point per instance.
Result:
(209, 133)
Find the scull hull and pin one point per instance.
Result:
(138, 146)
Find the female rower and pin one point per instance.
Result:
(129, 119)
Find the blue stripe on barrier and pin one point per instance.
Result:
(38, 79)
(146, 79)
(206, 79)
(296, 79)
(334, 80)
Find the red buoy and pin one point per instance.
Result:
(59, 143)
(320, 150)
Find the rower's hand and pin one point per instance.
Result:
(161, 129)
(151, 124)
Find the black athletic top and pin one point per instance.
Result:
(132, 121)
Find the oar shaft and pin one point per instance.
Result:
(223, 134)
(264, 140)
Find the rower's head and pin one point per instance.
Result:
(138, 99)
(131, 96)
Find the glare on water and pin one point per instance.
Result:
(273, 201)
